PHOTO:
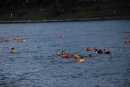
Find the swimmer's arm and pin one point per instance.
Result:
(59, 53)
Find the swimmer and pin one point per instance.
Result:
(89, 56)
(100, 51)
(96, 50)
(13, 50)
(3, 39)
(63, 54)
(22, 40)
(127, 41)
(15, 39)
(106, 51)
(81, 59)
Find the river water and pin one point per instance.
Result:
(35, 64)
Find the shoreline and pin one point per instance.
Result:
(65, 20)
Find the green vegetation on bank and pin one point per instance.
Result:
(67, 11)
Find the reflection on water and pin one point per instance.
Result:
(35, 64)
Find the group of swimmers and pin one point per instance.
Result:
(13, 50)
(106, 51)
(21, 40)
(81, 58)
(76, 56)
(6, 40)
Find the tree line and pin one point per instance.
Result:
(27, 3)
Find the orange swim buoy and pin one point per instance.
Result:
(75, 56)
(89, 49)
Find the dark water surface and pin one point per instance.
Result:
(35, 64)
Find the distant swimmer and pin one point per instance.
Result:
(81, 59)
(89, 56)
(127, 41)
(22, 40)
(1, 40)
(15, 38)
(64, 55)
(13, 50)
(98, 51)
(106, 51)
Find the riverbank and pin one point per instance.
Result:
(67, 12)
(66, 20)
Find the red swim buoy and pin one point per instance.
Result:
(61, 36)
(7, 40)
(67, 56)
(89, 49)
